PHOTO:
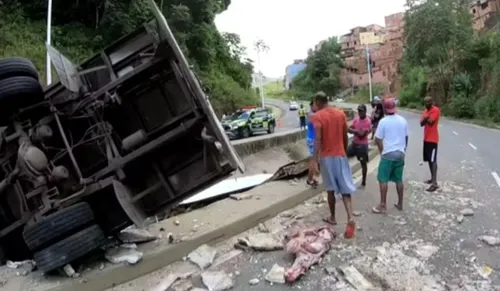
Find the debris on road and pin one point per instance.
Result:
(276, 274)
(484, 271)
(260, 242)
(308, 245)
(355, 278)
(121, 255)
(460, 218)
(253, 281)
(70, 272)
(217, 281)
(135, 235)
(467, 212)
(490, 240)
(24, 267)
(426, 251)
(203, 256)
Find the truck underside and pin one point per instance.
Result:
(124, 136)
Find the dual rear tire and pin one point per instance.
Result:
(19, 86)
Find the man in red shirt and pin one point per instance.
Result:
(360, 128)
(429, 121)
(330, 146)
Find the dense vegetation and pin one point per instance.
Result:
(81, 28)
(445, 58)
(322, 72)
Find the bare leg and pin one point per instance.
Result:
(331, 205)
(400, 190)
(434, 168)
(311, 173)
(346, 198)
(382, 207)
(364, 171)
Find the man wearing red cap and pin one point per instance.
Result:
(391, 138)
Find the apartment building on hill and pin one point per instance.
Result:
(386, 50)
(483, 14)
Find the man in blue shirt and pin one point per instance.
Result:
(311, 181)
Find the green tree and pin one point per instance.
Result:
(83, 27)
(322, 72)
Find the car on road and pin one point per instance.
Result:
(122, 137)
(339, 100)
(245, 123)
(294, 106)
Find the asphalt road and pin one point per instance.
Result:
(434, 247)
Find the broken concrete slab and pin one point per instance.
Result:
(135, 235)
(467, 212)
(276, 274)
(261, 242)
(490, 240)
(217, 281)
(203, 256)
(356, 279)
(123, 255)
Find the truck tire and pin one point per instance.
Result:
(18, 92)
(70, 249)
(57, 225)
(17, 67)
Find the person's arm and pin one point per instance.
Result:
(352, 127)
(433, 117)
(424, 119)
(346, 138)
(318, 137)
(406, 139)
(379, 136)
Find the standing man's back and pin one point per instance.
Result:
(330, 146)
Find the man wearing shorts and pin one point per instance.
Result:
(361, 127)
(429, 121)
(392, 140)
(330, 146)
(311, 181)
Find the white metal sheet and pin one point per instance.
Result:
(228, 186)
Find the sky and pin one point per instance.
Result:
(291, 27)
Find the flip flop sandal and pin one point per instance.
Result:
(377, 210)
(329, 221)
(428, 181)
(432, 188)
(350, 230)
(400, 208)
(312, 183)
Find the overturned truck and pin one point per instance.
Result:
(120, 138)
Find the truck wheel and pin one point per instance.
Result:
(70, 249)
(17, 67)
(57, 225)
(270, 128)
(19, 92)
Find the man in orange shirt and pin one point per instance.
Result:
(330, 147)
(429, 121)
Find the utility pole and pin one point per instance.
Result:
(368, 65)
(261, 47)
(49, 29)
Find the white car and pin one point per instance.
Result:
(294, 105)
(339, 100)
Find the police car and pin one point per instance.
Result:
(245, 123)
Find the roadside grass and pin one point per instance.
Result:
(275, 90)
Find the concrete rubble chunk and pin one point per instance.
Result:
(203, 256)
(426, 251)
(167, 282)
(135, 235)
(241, 196)
(122, 255)
(182, 285)
(261, 242)
(356, 279)
(217, 281)
(490, 240)
(28, 264)
(467, 212)
(253, 281)
(69, 271)
(276, 274)
(460, 218)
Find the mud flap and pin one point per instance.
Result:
(124, 197)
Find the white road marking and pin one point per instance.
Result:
(472, 146)
(455, 133)
(496, 177)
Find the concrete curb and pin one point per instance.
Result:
(154, 261)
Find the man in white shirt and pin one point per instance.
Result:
(391, 138)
